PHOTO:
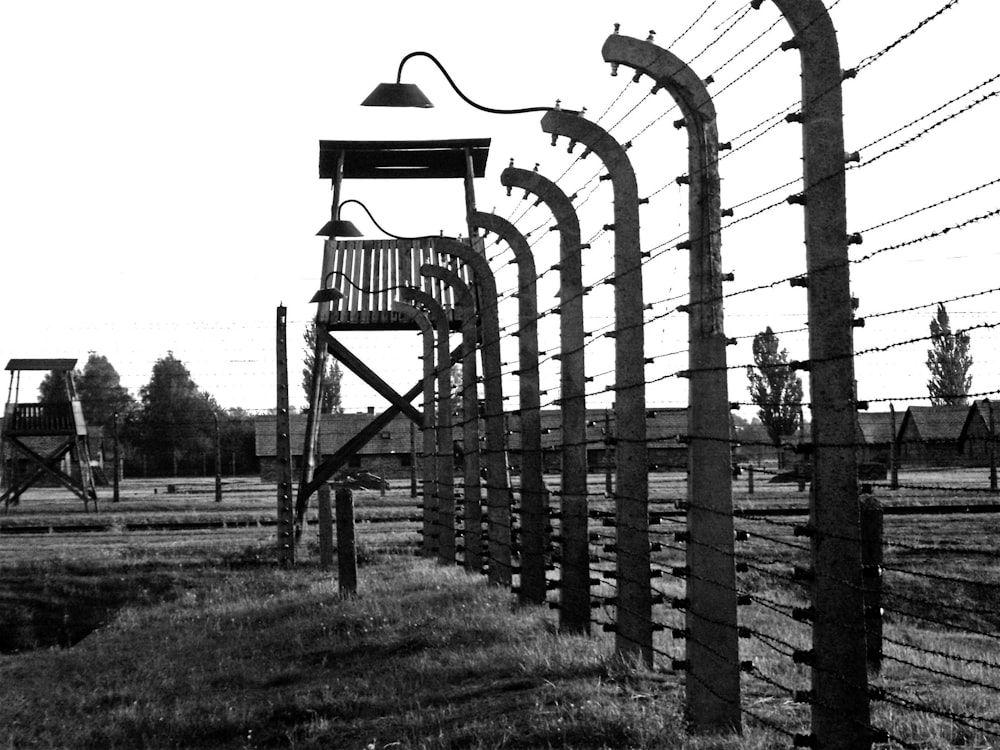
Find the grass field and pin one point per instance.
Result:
(195, 639)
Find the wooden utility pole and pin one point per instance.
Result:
(283, 452)
(116, 496)
(218, 460)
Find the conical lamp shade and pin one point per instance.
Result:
(339, 228)
(397, 95)
(326, 295)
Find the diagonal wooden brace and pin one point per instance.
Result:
(371, 378)
(330, 466)
(43, 465)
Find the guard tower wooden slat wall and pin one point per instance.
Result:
(377, 270)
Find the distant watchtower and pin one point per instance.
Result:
(36, 437)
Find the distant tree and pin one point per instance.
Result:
(52, 389)
(329, 402)
(176, 422)
(949, 362)
(774, 387)
(238, 439)
(101, 392)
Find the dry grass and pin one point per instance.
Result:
(219, 648)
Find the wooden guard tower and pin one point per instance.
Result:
(41, 435)
(368, 274)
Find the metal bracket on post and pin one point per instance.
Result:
(574, 584)
(841, 713)
(472, 516)
(713, 685)
(497, 490)
(533, 495)
(445, 489)
(634, 627)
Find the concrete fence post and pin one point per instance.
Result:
(428, 435)
(712, 646)
(533, 519)
(574, 583)
(445, 486)
(633, 626)
(472, 534)
(841, 714)
(498, 501)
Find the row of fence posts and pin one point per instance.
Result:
(840, 708)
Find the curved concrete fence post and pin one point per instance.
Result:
(633, 627)
(445, 486)
(841, 715)
(429, 439)
(712, 644)
(472, 515)
(534, 512)
(574, 583)
(497, 491)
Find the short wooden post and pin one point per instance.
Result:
(347, 558)
(750, 479)
(325, 527)
(871, 564)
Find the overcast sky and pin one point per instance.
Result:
(159, 184)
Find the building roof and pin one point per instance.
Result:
(404, 159)
(665, 428)
(41, 364)
(977, 421)
(875, 428)
(934, 423)
(334, 431)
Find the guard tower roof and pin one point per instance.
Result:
(41, 364)
(379, 160)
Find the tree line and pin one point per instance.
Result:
(173, 427)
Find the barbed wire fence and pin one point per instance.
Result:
(926, 572)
